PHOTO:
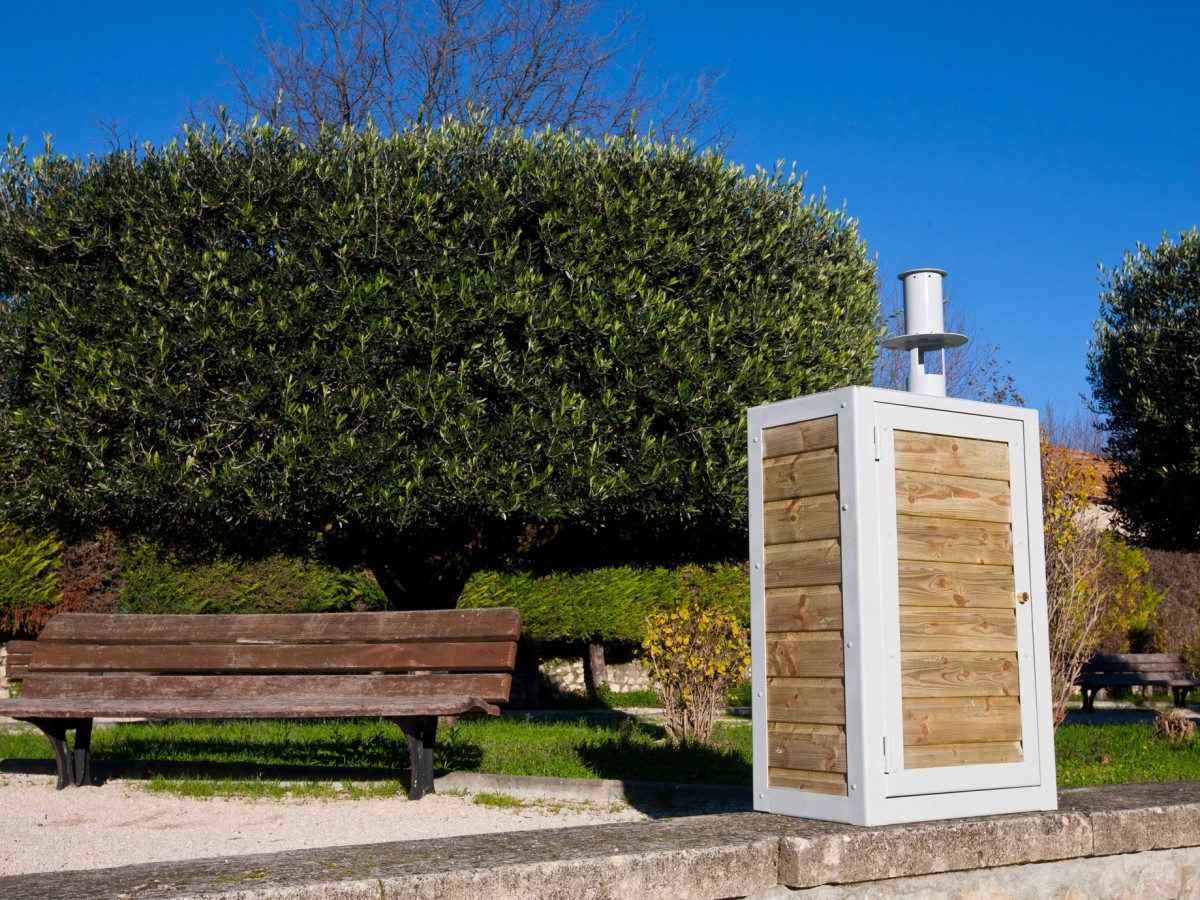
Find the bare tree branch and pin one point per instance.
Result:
(523, 63)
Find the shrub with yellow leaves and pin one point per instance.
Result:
(1096, 585)
(695, 655)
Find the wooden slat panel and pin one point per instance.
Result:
(803, 475)
(944, 755)
(806, 700)
(951, 497)
(325, 707)
(267, 658)
(959, 675)
(799, 437)
(493, 687)
(957, 586)
(805, 655)
(814, 748)
(802, 565)
(949, 630)
(801, 519)
(19, 654)
(804, 609)
(941, 454)
(954, 541)
(970, 720)
(816, 782)
(457, 625)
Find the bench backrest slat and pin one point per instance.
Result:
(19, 653)
(457, 626)
(1137, 663)
(490, 686)
(278, 657)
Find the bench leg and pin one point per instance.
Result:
(73, 768)
(421, 732)
(1089, 697)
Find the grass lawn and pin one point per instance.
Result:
(617, 747)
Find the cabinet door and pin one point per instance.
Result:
(955, 596)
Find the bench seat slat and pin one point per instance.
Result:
(456, 626)
(316, 658)
(271, 708)
(493, 687)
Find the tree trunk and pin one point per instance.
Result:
(530, 672)
(595, 671)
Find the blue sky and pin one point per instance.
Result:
(1015, 145)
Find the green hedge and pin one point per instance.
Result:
(28, 589)
(606, 605)
(155, 582)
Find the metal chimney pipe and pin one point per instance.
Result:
(925, 337)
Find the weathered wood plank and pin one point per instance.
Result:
(944, 755)
(815, 782)
(949, 540)
(805, 655)
(268, 658)
(17, 663)
(491, 686)
(959, 675)
(799, 437)
(941, 454)
(802, 519)
(802, 565)
(300, 708)
(814, 748)
(961, 721)
(804, 609)
(951, 497)
(802, 475)
(293, 628)
(818, 701)
(957, 586)
(946, 630)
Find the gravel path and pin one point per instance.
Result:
(122, 823)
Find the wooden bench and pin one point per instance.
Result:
(1107, 670)
(410, 667)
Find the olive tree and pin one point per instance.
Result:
(1144, 370)
(438, 348)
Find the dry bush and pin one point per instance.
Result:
(1173, 725)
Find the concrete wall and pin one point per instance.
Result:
(1130, 841)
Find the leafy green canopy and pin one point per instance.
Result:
(1145, 374)
(607, 605)
(431, 345)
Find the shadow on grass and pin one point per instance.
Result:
(665, 779)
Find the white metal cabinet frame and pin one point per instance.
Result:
(879, 789)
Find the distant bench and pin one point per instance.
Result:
(410, 667)
(1108, 670)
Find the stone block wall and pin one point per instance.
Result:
(564, 676)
